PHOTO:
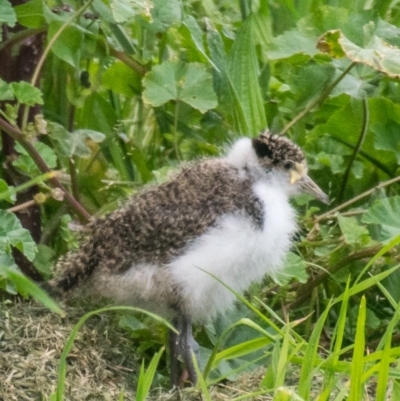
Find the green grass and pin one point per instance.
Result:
(344, 370)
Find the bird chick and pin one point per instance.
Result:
(228, 216)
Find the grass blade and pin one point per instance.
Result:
(146, 377)
(62, 367)
(357, 365)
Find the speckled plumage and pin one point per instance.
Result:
(228, 217)
(159, 222)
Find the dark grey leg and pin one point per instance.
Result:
(189, 347)
(182, 346)
(174, 355)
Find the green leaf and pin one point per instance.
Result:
(164, 14)
(122, 79)
(26, 93)
(7, 14)
(68, 45)
(292, 43)
(44, 260)
(146, 377)
(25, 287)
(353, 232)
(295, 267)
(124, 10)
(242, 69)
(30, 14)
(387, 137)
(386, 213)
(357, 366)
(6, 92)
(26, 163)
(377, 54)
(7, 192)
(196, 35)
(68, 144)
(190, 83)
(13, 234)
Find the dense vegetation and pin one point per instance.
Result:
(117, 93)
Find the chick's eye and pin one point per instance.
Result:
(288, 165)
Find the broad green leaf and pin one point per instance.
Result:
(68, 144)
(242, 68)
(26, 93)
(353, 232)
(26, 163)
(68, 45)
(378, 54)
(164, 14)
(13, 234)
(124, 10)
(295, 268)
(7, 192)
(6, 92)
(386, 213)
(387, 137)
(7, 14)
(292, 43)
(122, 79)
(30, 14)
(44, 260)
(190, 83)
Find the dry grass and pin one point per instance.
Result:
(101, 364)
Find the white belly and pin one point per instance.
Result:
(237, 253)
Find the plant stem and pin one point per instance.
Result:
(42, 59)
(34, 154)
(176, 114)
(317, 101)
(356, 198)
(357, 148)
(305, 291)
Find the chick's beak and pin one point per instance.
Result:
(299, 175)
(309, 186)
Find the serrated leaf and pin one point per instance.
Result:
(7, 14)
(30, 14)
(26, 163)
(26, 93)
(13, 234)
(190, 83)
(377, 54)
(386, 213)
(353, 232)
(242, 69)
(294, 268)
(164, 14)
(6, 92)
